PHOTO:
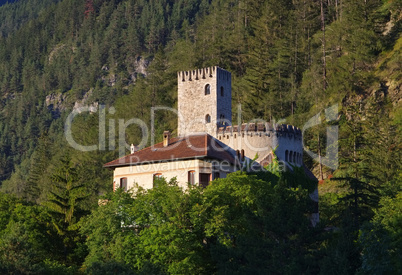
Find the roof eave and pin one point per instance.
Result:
(153, 161)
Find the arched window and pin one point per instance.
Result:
(291, 156)
(191, 177)
(294, 157)
(123, 183)
(286, 155)
(222, 91)
(242, 154)
(207, 119)
(207, 89)
(157, 178)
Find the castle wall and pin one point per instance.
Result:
(194, 104)
(290, 147)
(261, 139)
(252, 143)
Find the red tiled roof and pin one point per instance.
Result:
(180, 148)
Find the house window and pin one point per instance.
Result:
(207, 89)
(222, 92)
(205, 178)
(207, 119)
(217, 175)
(157, 178)
(191, 177)
(123, 183)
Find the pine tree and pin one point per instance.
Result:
(65, 197)
(39, 165)
(354, 172)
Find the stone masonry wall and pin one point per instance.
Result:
(194, 105)
(262, 138)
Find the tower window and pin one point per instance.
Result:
(222, 120)
(207, 119)
(207, 89)
(222, 91)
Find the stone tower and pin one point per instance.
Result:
(204, 100)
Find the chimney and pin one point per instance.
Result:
(166, 138)
(132, 148)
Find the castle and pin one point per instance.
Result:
(208, 145)
(205, 105)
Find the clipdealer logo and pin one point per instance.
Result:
(109, 126)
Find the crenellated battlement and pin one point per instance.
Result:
(204, 73)
(261, 128)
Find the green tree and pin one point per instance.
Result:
(27, 240)
(354, 172)
(258, 224)
(381, 239)
(64, 204)
(103, 229)
(39, 164)
(167, 238)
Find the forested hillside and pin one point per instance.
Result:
(289, 61)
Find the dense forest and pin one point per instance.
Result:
(290, 60)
